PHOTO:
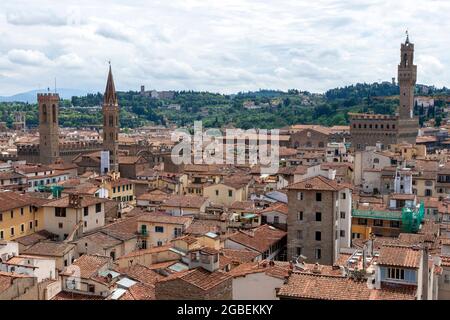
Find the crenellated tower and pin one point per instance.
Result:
(48, 127)
(408, 124)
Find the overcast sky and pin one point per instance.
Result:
(218, 45)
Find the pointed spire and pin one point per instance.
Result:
(407, 37)
(110, 91)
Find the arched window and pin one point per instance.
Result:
(44, 113)
(376, 160)
(405, 60)
(54, 113)
(111, 121)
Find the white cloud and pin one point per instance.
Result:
(28, 57)
(224, 46)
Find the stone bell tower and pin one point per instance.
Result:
(48, 127)
(111, 123)
(408, 124)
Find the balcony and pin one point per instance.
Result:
(143, 232)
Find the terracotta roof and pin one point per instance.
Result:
(87, 265)
(6, 279)
(402, 196)
(159, 217)
(317, 183)
(260, 238)
(239, 255)
(400, 256)
(323, 287)
(200, 227)
(86, 201)
(49, 248)
(139, 291)
(445, 261)
(35, 237)
(141, 252)
(10, 200)
(129, 159)
(142, 274)
(394, 292)
(277, 269)
(185, 201)
(277, 207)
(243, 205)
(64, 295)
(199, 278)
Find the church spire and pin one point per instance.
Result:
(110, 91)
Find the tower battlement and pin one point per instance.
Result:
(43, 97)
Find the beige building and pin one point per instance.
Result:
(73, 215)
(157, 229)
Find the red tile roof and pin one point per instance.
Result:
(260, 238)
(318, 183)
(400, 256)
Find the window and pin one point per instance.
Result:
(318, 235)
(362, 221)
(12, 214)
(299, 195)
(217, 192)
(300, 215)
(343, 195)
(86, 211)
(177, 232)
(318, 253)
(144, 244)
(12, 231)
(342, 214)
(299, 251)
(428, 192)
(447, 278)
(276, 219)
(395, 224)
(299, 234)
(159, 229)
(1, 217)
(396, 273)
(342, 233)
(318, 216)
(230, 193)
(159, 243)
(318, 196)
(1, 235)
(21, 211)
(378, 223)
(85, 224)
(22, 228)
(60, 212)
(60, 225)
(91, 288)
(35, 223)
(98, 207)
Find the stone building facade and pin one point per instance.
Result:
(319, 220)
(111, 123)
(48, 127)
(373, 129)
